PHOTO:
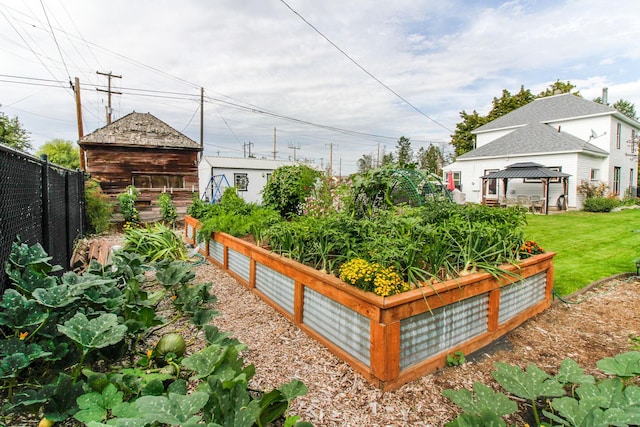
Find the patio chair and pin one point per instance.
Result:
(523, 201)
(536, 204)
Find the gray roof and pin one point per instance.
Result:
(526, 170)
(535, 138)
(548, 109)
(140, 129)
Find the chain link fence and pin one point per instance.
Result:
(39, 203)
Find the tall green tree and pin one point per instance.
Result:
(404, 152)
(365, 163)
(430, 159)
(507, 102)
(13, 134)
(625, 107)
(557, 88)
(463, 140)
(387, 158)
(61, 152)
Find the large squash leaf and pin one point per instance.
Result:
(100, 332)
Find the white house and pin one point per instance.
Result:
(566, 133)
(248, 175)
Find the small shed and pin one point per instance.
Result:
(533, 172)
(248, 175)
(142, 150)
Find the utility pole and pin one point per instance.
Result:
(244, 148)
(76, 89)
(201, 122)
(331, 159)
(294, 148)
(274, 143)
(109, 75)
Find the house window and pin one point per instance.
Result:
(632, 183)
(616, 180)
(457, 177)
(492, 184)
(241, 181)
(618, 135)
(595, 174)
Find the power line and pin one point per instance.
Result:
(29, 46)
(364, 69)
(56, 42)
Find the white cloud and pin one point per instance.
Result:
(443, 57)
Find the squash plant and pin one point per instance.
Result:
(77, 346)
(569, 398)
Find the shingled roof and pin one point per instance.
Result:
(526, 170)
(547, 110)
(140, 129)
(536, 138)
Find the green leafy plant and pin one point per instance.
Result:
(288, 187)
(570, 398)
(98, 206)
(127, 203)
(168, 210)
(600, 204)
(154, 242)
(484, 407)
(456, 359)
(96, 328)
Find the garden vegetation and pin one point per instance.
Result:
(81, 347)
(357, 232)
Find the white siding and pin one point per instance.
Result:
(257, 171)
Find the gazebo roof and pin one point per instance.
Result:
(526, 170)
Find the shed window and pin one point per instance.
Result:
(157, 181)
(241, 181)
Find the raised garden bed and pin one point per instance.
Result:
(389, 340)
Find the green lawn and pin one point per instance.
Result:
(588, 246)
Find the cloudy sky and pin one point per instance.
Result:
(336, 78)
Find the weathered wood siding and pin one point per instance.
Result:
(115, 166)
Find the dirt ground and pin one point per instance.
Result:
(596, 324)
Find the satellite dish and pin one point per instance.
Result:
(594, 135)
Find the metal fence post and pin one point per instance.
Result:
(45, 204)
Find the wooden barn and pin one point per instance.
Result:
(142, 150)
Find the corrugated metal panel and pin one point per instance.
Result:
(202, 245)
(216, 251)
(277, 286)
(521, 295)
(239, 264)
(428, 334)
(344, 327)
(190, 231)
